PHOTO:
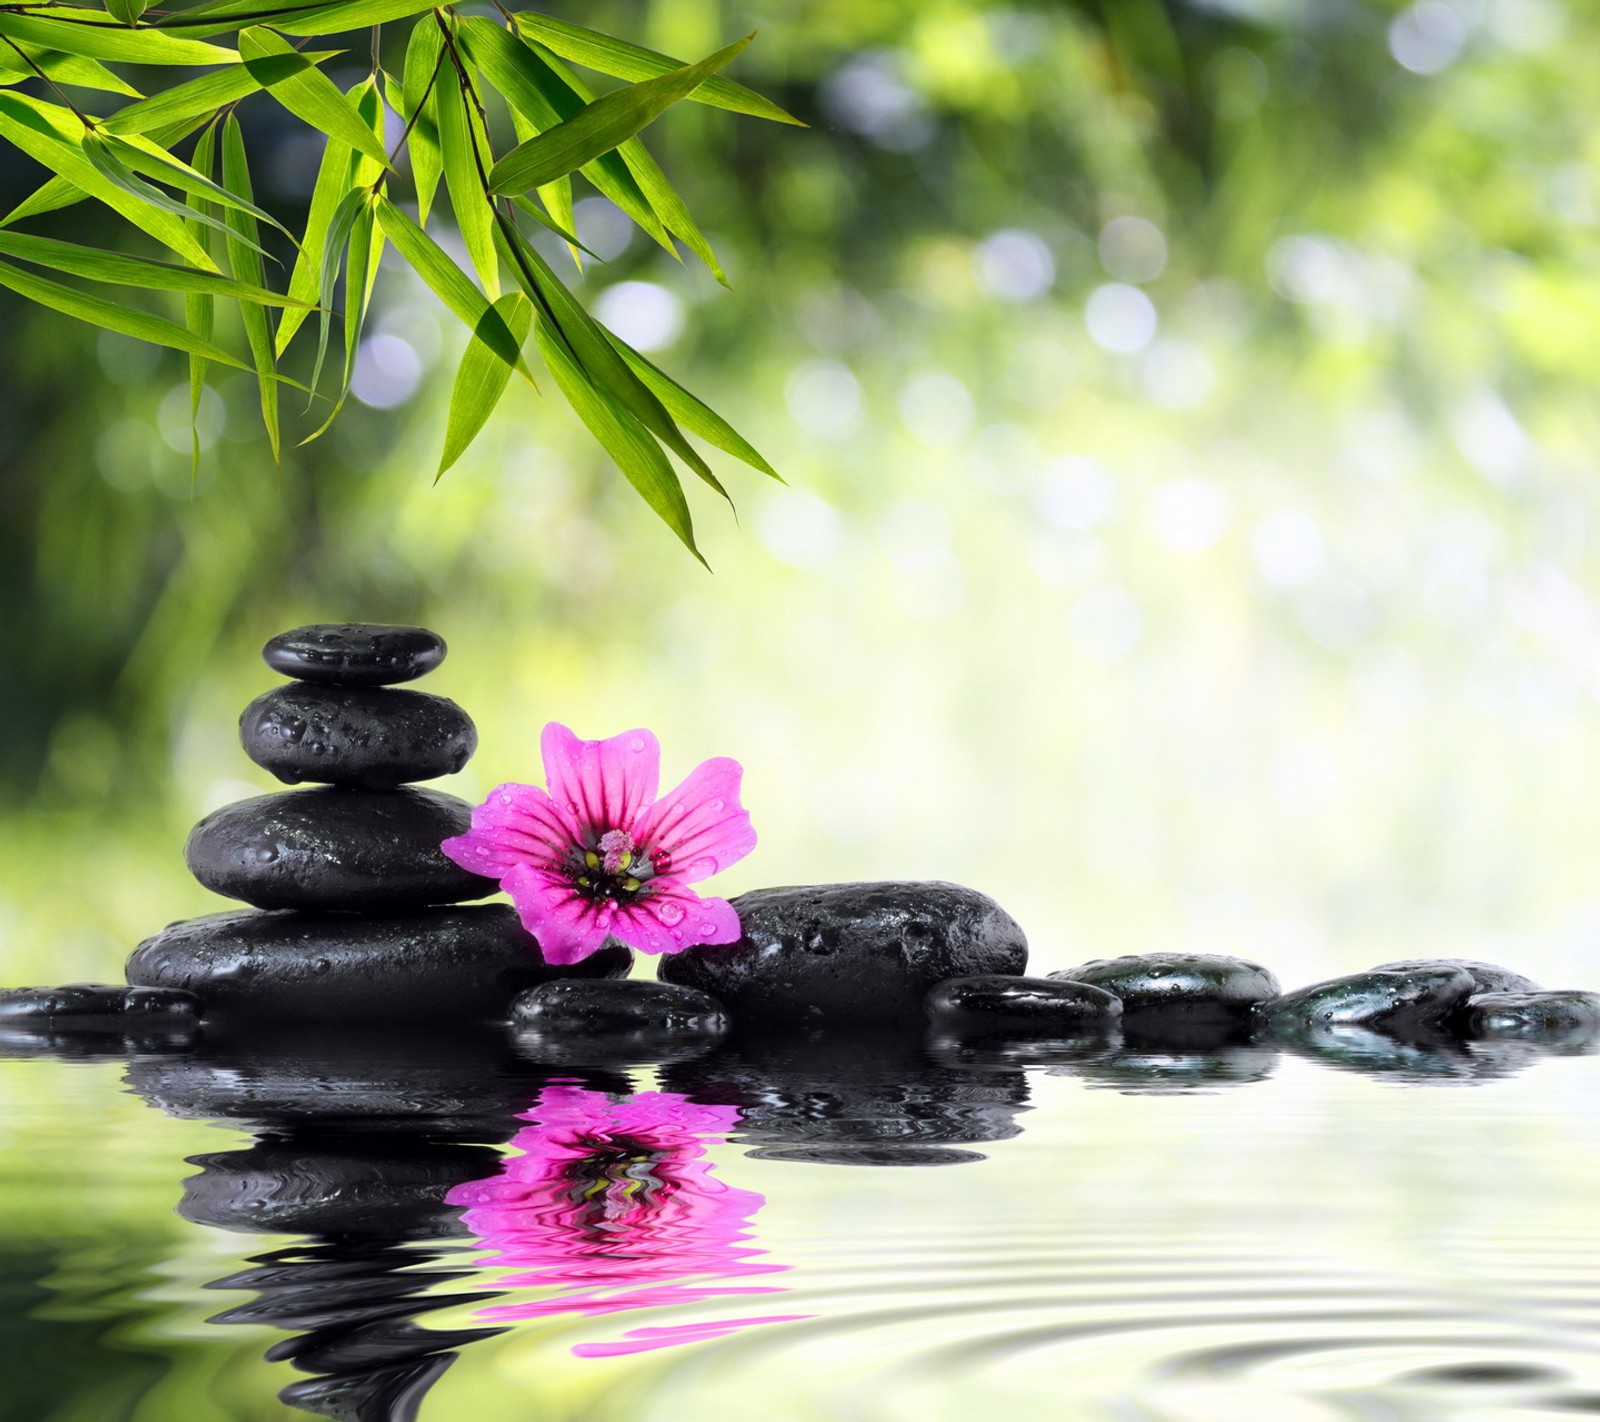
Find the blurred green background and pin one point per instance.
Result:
(1188, 414)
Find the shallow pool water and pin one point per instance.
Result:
(835, 1229)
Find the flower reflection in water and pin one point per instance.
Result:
(614, 1202)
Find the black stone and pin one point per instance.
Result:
(359, 736)
(1486, 977)
(870, 1097)
(1000, 1003)
(1558, 1017)
(355, 653)
(321, 850)
(99, 1007)
(842, 953)
(579, 1008)
(1389, 1000)
(442, 966)
(1195, 985)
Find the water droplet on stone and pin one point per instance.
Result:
(264, 854)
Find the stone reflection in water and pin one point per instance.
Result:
(856, 1098)
(612, 1201)
(1419, 1057)
(360, 1140)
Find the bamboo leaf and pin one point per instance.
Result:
(667, 209)
(63, 68)
(202, 97)
(693, 414)
(334, 246)
(544, 220)
(120, 269)
(622, 60)
(464, 164)
(128, 11)
(108, 315)
(351, 15)
(481, 381)
(622, 436)
(609, 121)
(143, 156)
(98, 149)
(244, 256)
(305, 281)
(54, 137)
(307, 93)
(544, 99)
(360, 264)
(100, 37)
(424, 56)
(591, 346)
(450, 284)
(199, 308)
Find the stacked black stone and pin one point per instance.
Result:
(354, 909)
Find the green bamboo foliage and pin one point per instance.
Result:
(216, 248)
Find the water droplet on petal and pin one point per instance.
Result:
(703, 867)
(677, 935)
(715, 806)
(636, 744)
(670, 912)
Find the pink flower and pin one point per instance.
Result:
(614, 1202)
(600, 856)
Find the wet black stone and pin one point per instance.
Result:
(597, 1008)
(1486, 977)
(1392, 1001)
(98, 1007)
(327, 849)
(1059, 1009)
(1195, 984)
(842, 953)
(1557, 1017)
(359, 736)
(440, 966)
(355, 653)
(854, 1097)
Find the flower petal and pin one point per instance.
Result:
(673, 917)
(517, 824)
(701, 823)
(608, 784)
(568, 926)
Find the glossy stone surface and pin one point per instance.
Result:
(440, 966)
(1002, 1003)
(1487, 977)
(355, 653)
(578, 1008)
(1562, 1017)
(845, 953)
(1388, 1000)
(326, 849)
(97, 1006)
(1198, 983)
(359, 736)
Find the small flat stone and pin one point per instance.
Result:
(93, 1007)
(1561, 1017)
(842, 953)
(602, 1007)
(1198, 984)
(355, 653)
(1388, 1000)
(329, 849)
(1011, 1004)
(1486, 977)
(358, 736)
(446, 967)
